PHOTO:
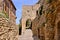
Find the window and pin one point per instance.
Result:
(40, 10)
(37, 12)
(27, 10)
(28, 24)
(38, 33)
(14, 12)
(7, 4)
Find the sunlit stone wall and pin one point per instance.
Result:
(8, 31)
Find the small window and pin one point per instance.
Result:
(40, 10)
(5, 8)
(28, 24)
(37, 12)
(27, 10)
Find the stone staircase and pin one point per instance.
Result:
(28, 35)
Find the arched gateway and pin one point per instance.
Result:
(28, 15)
(28, 24)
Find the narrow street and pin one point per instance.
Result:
(27, 35)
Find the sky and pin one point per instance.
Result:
(18, 4)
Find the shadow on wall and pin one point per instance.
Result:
(20, 29)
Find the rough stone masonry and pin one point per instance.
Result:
(8, 30)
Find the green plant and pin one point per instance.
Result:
(2, 15)
(48, 1)
(40, 10)
(28, 24)
(20, 25)
(6, 15)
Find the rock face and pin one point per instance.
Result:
(8, 30)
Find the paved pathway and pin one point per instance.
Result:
(27, 35)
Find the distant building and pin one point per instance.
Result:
(28, 15)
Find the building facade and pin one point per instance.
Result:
(7, 7)
(8, 27)
(28, 14)
(46, 25)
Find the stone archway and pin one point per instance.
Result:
(28, 24)
(58, 30)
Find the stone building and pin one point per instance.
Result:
(8, 27)
(28, 14)
(46, 25)
(8, 8)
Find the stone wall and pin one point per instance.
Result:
(28, 12)
(8, 30)
(48, 25)
(38, 26)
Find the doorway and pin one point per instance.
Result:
(28, 24)
(58, 30)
